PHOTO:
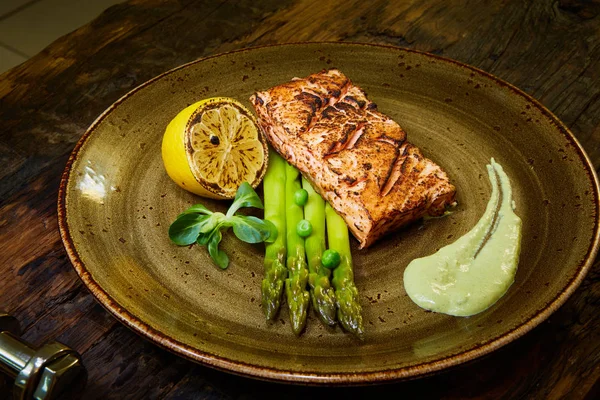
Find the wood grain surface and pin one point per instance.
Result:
(549, 49)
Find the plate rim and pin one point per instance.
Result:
(289, 376)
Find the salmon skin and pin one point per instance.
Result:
(357, 158)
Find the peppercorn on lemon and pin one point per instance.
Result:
(211, 147)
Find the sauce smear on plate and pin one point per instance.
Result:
(471, 274)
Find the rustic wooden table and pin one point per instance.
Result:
(550, 49)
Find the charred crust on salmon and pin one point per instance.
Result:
(335, 93)
(336, 171)
(349, 180)
(357, 158)
(328, 112)
(387, 139)
(311, 99)
(352, 99)
(345, 107)
(258, 100)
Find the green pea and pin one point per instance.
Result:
(304, 228)
(300, 197)
(330, 259)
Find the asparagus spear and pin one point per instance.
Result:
(322, 294)
(275, 252)
(295, 284)
(346, 293)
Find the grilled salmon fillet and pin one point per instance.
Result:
(357, 158)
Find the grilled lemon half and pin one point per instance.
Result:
(211, 147)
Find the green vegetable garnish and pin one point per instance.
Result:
(346, 293)
(276, 272)
(199, 224)
(297, 295)
(300, 197)
(331, 259)
(304, 228)
(321, 291)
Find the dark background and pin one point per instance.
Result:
(549, 49)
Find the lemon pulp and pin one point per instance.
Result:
(211, 147)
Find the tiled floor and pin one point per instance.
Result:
(28, 26)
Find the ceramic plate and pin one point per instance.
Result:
(116, 203)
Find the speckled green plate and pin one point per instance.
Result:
(116, 203)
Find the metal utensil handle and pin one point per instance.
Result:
(52, 370)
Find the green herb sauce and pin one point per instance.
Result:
(470, 275)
